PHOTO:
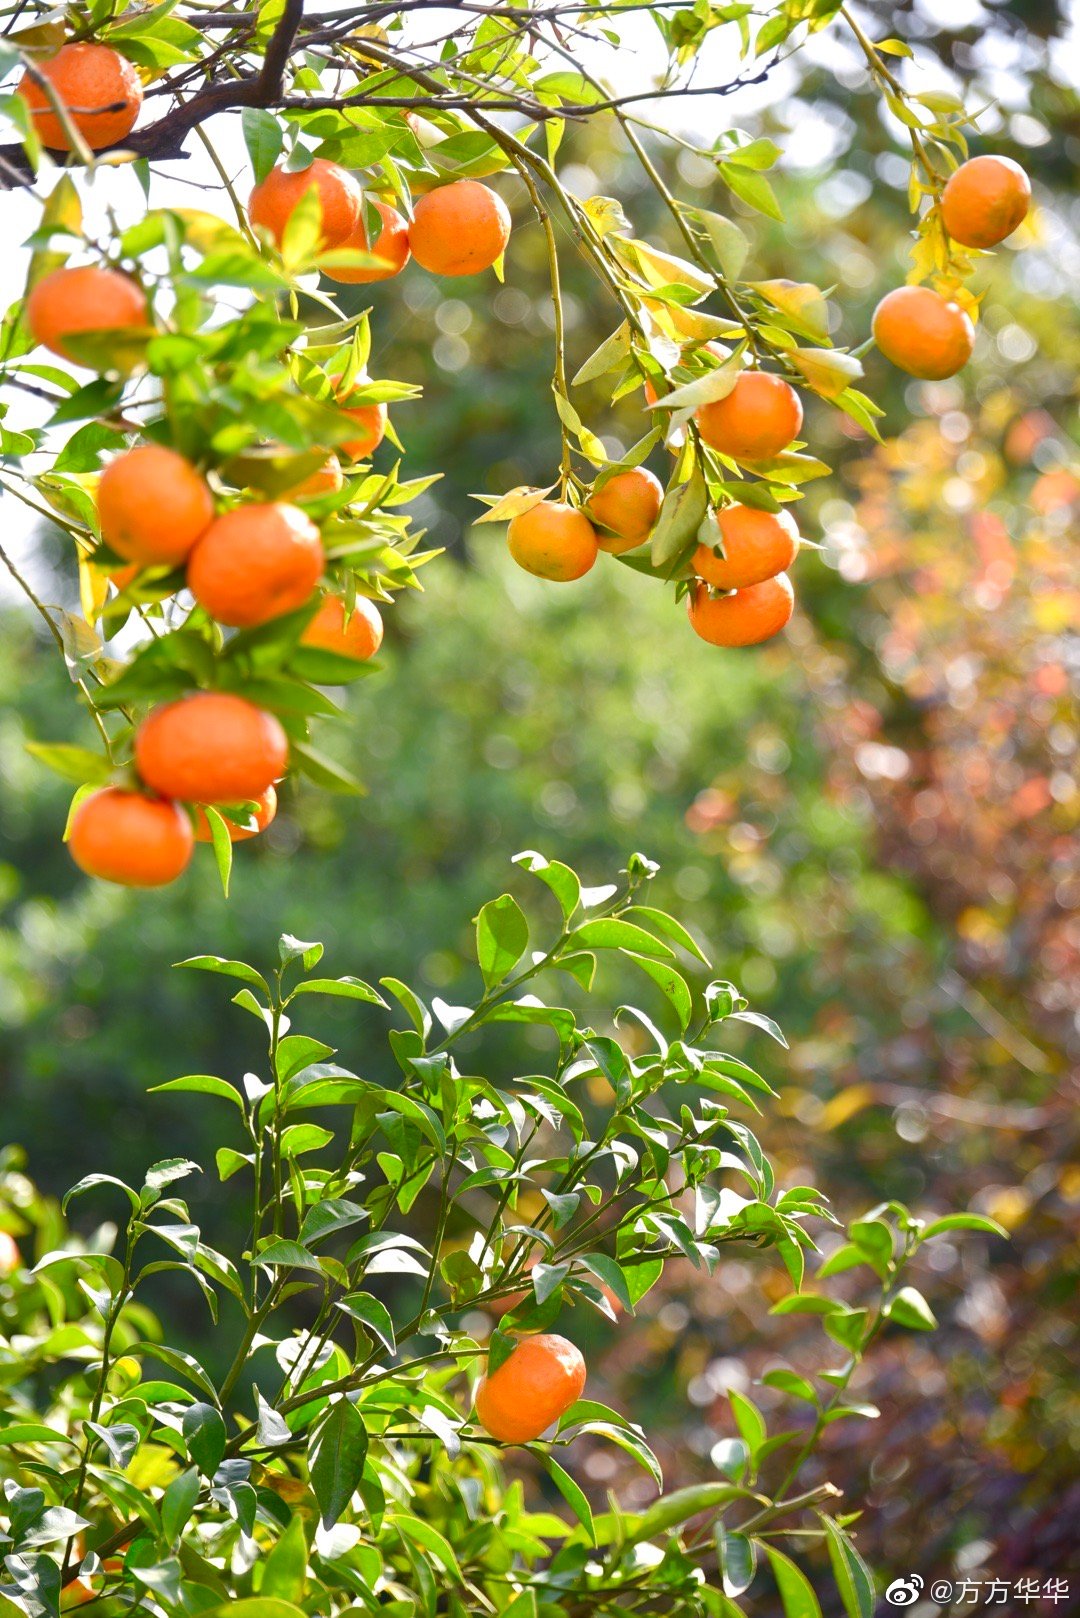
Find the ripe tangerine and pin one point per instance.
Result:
(459, 228)
(628, 506)
(757, 546)
(745, 617)
(539, 1381)
(985, 200)
(153, 505)
(923, 333)
(84, 299)
(392, 248)
(211, 747)
(129, 838)
(359, 638)
(756, 421)
(256, 562)
(273, 201)
(94, 79)
(553, 540)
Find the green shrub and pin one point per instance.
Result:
(334, 1466)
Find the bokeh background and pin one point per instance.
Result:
(873, 823)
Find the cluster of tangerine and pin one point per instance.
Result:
(740, 594)
(922, 331)
(246, 564)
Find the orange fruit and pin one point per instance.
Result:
(211, 747)
(87, 298)
(985, 200)
(239, 822)
(923, 333)
(153, 505)
(627, 505)
(255, 563)
(126, 837)
(756, 421)
(757, 546)
(100, 86)
(360, 637)
(539, 1381)
(459, 228)
(273, 200)
(392, 247)
(744, 617)
(553, 540)
(326, 479)
(10, 1257)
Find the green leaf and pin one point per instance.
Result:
(574, 1496)
(749, 1420)
(682, 1504)
(177, 1504)
(963, 1221)
(853, 1578)
(752, 188)
(738, 1560)
(256, 1607)
(372, 1315)
(287, 1255)
(346, 988)
(609, 1273)
(683, 507)
(663, 923)
(226, 968)
(337, 1455)
(909, 1308)
(222, 845)
(263, 138)
(205, 1436)
(610, 933)
(285, 1569)
(728, 242)
(502, 937)
(562, 881)
(796, 1591)
(76, 764)
(672, 982)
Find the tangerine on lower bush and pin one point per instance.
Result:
(86, 298)
(627, 505)
(553, 540)
(153, 505)
(756, 421)
(256, 562)
(274, 199)
(240, 824)
(535, 1385)
(326, 479)
(926, 335)
(459, 228)
(97, 82)
(985, 200)
(745, 617)
(129, 838)
(392, 248)
(211, 747)
(359, 637)
(757, 546)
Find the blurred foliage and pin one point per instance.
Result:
(874, 824)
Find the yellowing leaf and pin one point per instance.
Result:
(802, 302)
(513, 503)
(606, 216)
(659, 269)
(828, 370)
